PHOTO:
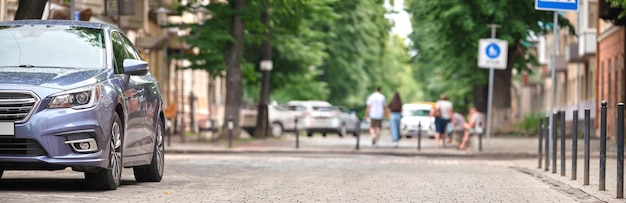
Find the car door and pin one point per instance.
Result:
(149, 93)
(133, 95)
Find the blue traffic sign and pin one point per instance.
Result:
(492, 50)
(557, 5)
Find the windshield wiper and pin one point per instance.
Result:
(26, 66)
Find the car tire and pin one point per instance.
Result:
(277, 130)
(309, 134)
(343, 130)
(109, 178)
(154, 171)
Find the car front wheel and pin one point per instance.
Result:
(154, 171)
(109, 178)
(277, 129)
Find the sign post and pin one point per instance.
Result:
(555, 5)
(492, 53)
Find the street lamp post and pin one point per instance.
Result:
(263, 113)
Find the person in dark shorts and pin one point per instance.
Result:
(442, 111)
(375, 112)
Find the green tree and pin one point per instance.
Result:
(295, 46)
(355, 43)
(446, 35)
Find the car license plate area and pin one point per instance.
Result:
(7, 129)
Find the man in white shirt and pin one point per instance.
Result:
(375, 112)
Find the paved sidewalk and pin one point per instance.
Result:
(505, 147)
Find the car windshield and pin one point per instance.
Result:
(324, 108)
(416, 112)
(51, 46)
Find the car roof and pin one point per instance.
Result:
(417, 106)
(73, 23)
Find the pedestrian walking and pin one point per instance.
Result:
(442, 111)
(375, 112)
(395, 106)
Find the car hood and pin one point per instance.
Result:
(57, 78)
(417, 119)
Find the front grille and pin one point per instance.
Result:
(20, 147)
(16, 106)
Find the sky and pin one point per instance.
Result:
(401, 18)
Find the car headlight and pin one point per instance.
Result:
(77, 99)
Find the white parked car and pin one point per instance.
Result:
(281, 118)
(415, 114)
(322, 117)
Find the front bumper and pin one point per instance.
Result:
(47, 130)
(411, 130)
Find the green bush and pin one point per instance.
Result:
(530, 122)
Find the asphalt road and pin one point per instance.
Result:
(299, 178)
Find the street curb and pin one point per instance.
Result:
(355, 152)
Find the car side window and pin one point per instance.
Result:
(130, 49)
(119, 52)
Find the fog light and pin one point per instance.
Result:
(83, 145)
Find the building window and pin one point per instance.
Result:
(593, 15)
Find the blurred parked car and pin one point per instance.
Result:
(415, 115)
(77, 94)
(322, 117)
(282, 118)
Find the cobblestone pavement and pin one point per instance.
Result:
(306, 178)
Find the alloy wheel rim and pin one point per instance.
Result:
(116, 151)
(159, 150)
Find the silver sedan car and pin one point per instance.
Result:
(77, 94)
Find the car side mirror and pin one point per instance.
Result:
(135, 67)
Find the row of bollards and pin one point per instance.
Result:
(545, 136)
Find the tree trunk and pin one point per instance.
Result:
(480, 93)
(232, 56)
(30, 9)
(262, 124)
(501, 109)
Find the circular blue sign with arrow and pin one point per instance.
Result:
(492, 50)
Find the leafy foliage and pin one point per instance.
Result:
(323, 50)
(446, 35)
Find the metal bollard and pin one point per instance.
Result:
(358, 134)
(480, 142)
(419, 135)
(620, 150)
(601, 184)
(230, 131)
(574, 144)
(297, 133)
(562, 143)
(587, 143)
(547, 144)
(554, 121)
(540, 138)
